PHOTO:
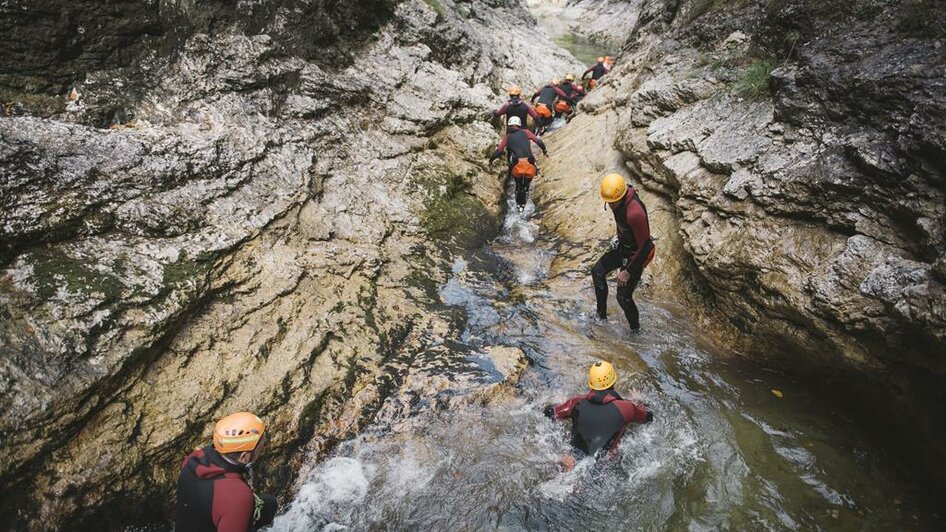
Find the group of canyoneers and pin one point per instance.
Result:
(215, 484)
(555, 100)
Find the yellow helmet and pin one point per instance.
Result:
(555, 81)
(515, 90)
(601, 376)
(569, 77)
(601, 59)
(613, 188)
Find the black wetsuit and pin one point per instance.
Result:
(634, 250)
(517, 145)
(213, 496)
(599, 419)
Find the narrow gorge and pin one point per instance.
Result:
(285, 207)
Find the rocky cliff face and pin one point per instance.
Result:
(794, 155)
(261, 226)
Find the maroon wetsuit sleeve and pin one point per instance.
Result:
(535, 95)
(232, 505)
(535, 139)
(631, 412)
(565, 409)
(531, 111)
(502, 110)
(561, 93)
(585, 73)
(637, 220)
(500, 148)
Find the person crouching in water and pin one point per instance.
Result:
(521, 161)
(214, 489)
(599, 417)
(631, 253)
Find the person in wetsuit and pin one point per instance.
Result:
(545, 105)
(574, 91)
(599, 417)
(214, 488)
(515, 107)
(518, 149)
(631, 252)
(597, 71)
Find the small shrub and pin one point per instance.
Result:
(754, 81)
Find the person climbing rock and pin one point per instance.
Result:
(516, 107)
(522, 166)
(574, 91)
(599, 417)
(597, 71)
(546, 103)
(631, 252)
(214, 489)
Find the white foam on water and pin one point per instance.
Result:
(328, 495)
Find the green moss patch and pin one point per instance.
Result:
(54, 270)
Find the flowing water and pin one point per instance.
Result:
(725, 451)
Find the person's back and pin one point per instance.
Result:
(600, 416)
(212, 494)
(547, 94)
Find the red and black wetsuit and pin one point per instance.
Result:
(517, 146)
(634, 250)
(599, 419)
(574, 91)
(213, 496)
(547, 94)
(516, 107)
(597, 71)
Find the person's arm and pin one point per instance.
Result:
(634, 412)
(564, 410)
(502, 110)
(535, 95)
(561, 93)
(585, 73)
(499, 149)
(531, 111)
(637, 220)
(233, 505)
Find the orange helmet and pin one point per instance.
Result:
(515, 90)
(238, 432)
(600, 59)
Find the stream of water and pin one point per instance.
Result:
(725, 451)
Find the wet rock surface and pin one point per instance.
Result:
(260, 228)
(795, 164)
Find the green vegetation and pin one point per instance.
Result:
(437, 7)
(754, 81)
(53, 270)
(454, 214)
(36, 104)
(184, 271)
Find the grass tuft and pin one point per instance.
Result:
(754, 81)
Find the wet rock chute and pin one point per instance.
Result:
(286, 208)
